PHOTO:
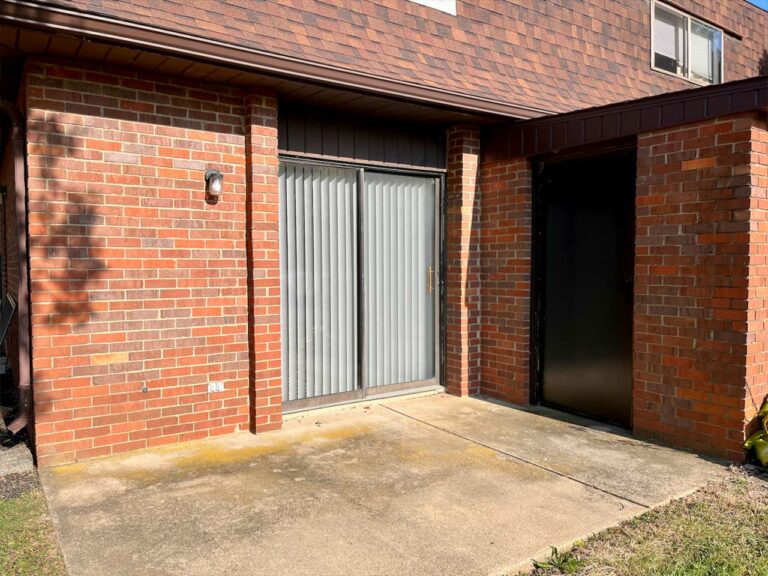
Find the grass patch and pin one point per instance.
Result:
(721, 530)
(28, 545)
(559, 562)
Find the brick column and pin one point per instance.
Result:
(757, 313)
(462, 279)
(263, 255)
(700, 281)
(506, 220)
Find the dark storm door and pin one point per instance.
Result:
(585, 290)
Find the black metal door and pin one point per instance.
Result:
(585, 255)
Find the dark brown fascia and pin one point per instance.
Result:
(142, 36)
(555, 133)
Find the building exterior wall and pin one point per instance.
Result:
(137, 280)
(141, 282)
(555, 56)
(505, 237)
(757, 318)
(699, 284)
(700, 342)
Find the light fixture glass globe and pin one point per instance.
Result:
(213, 182)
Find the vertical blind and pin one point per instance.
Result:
(399, 229)
(705, 52)
(318, 280)
(669, 30)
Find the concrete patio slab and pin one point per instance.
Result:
(600, 455)
(389, 488)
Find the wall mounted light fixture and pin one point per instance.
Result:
(214, 180)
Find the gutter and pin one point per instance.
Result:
(20, 188)
(142, 36)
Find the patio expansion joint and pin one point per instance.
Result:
(520, 459)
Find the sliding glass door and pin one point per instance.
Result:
(358, 269)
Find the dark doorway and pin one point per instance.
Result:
(584, 291)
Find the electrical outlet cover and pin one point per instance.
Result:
(215, 387)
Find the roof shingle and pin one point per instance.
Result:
(556, 55)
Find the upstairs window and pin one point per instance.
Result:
(686, 47)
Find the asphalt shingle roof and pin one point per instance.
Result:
(555, 55)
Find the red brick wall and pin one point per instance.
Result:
(136, 278)
(263, 262)
(462, 274)
(701, 286)
(506, 213)
(757, 319)
(698, 295)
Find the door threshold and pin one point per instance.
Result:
(370, 399)
(584, 415)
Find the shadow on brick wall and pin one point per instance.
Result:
(64, 268)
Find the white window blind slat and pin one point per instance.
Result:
(669, 33)
(665, 34)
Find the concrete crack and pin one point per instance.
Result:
(520, 459)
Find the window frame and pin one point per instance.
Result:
(687, 45)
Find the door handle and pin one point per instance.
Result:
(429, 279)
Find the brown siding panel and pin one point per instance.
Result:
(358, 139)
